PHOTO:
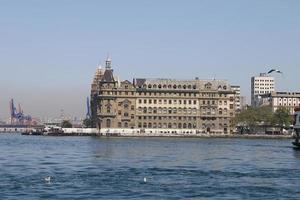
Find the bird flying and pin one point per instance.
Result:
(274, 70)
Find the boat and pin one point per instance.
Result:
(33, 131)
(296, 143)
(53, 131)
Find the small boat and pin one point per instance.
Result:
(53, 131)
(33, 131)
(296, 143)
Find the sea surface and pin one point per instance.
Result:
(147, 168)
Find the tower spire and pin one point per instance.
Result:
(108, 62)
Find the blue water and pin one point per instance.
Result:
(175, 168)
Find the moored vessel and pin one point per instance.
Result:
(296, 143)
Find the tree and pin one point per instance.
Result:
(66, 124)
(87, 122)
(251, 118)
(282, 117)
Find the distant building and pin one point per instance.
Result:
(237, 98)
(201, 105)
(290, 100)
(243, 102)
(262, 84)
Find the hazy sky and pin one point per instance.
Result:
(49, 49)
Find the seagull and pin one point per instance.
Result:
(274, 70)
(145, 179)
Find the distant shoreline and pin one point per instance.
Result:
(143, 135)
(245, 136)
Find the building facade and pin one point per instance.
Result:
(238, 98)
(203, 105)
(262, 84)
(289, 100)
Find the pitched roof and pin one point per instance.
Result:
(108, 76)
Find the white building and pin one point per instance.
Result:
(290, 100)
(262, 84)
(237, 97)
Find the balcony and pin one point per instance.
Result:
(107, 114)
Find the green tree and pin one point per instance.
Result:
(66, 124)
(282, 117)
(87, 122)
(252, 117)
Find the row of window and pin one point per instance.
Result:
(181, 94)
(176, 125)
(180, 102)
(289, 104)
(284, 99)
(166, 118)
(165, 110)
(264, 80)
(178, 118)
(165, 101)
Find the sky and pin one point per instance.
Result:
(49, 50)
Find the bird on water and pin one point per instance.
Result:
(47, 178)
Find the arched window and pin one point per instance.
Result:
(154, 125)
(126, 124)
(220, 111)
(184, 125)
(174, 110)
(169, 125)
(179, 110)
(189, 125)
(154, 86)
(179, 125)
(159, 110)
(174, 125)
(150, 125)
(225, 111)
(159, 86)
(140, 109)
(149, 86)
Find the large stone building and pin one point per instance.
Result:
(262, 84)
(201, 105)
